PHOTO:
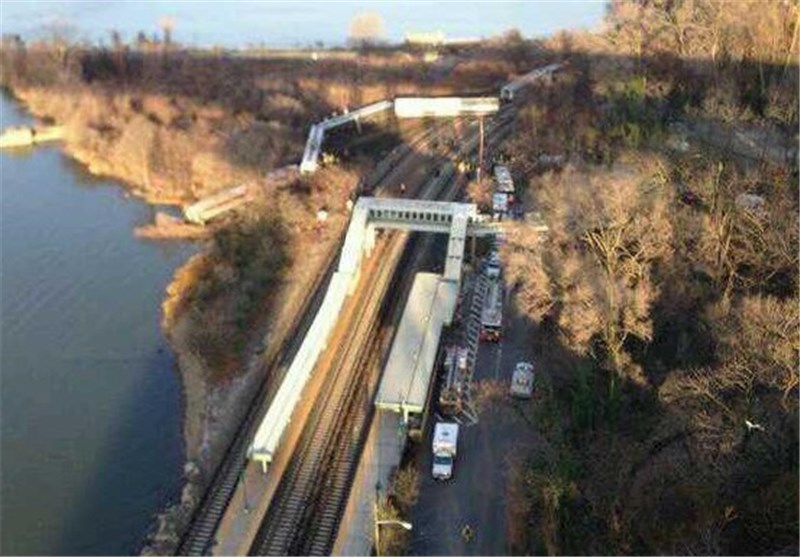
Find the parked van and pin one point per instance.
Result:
(445, 445)
(522, 380)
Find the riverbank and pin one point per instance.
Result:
(215, 405)
(98, 160)
(167, 227)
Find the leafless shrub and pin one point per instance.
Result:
(480, 192)
(405, 487)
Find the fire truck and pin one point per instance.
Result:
(456, 380)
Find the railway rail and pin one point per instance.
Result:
(304, 514)
(305, 510)
(318, 521)
(206, 518)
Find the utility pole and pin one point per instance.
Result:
(377, 525)
(480, 148)
(243, 480)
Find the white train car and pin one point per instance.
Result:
(512, 88)
(316, 135)
(268, 437)
(444, 107)
(502, 176)
(363, 112)
(207, 208)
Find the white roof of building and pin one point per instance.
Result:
(407, 375)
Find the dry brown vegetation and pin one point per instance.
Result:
(671, 307)
(403, 495)
(179, 124)
(226, 292)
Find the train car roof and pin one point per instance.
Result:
(410, 367)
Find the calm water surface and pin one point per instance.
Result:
(91, 403)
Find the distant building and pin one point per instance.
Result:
(463, 40)
(438, 38)
(426, 38)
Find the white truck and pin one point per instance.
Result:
(445, 444)
(492, 265)
(499, 204)
(522, 380)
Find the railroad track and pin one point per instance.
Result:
(303, 517)
(306, 508)
(201, 531)
(305, 511)
(198, 537)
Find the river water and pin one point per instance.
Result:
(91, 402)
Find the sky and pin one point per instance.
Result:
(298, 23)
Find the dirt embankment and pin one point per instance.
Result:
(217, 394)
(139, 139)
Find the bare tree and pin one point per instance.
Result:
(761, 336)
(366, 28)
(167, 26)
(480, 192)
(593, 274)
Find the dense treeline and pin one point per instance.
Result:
(666, 291)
